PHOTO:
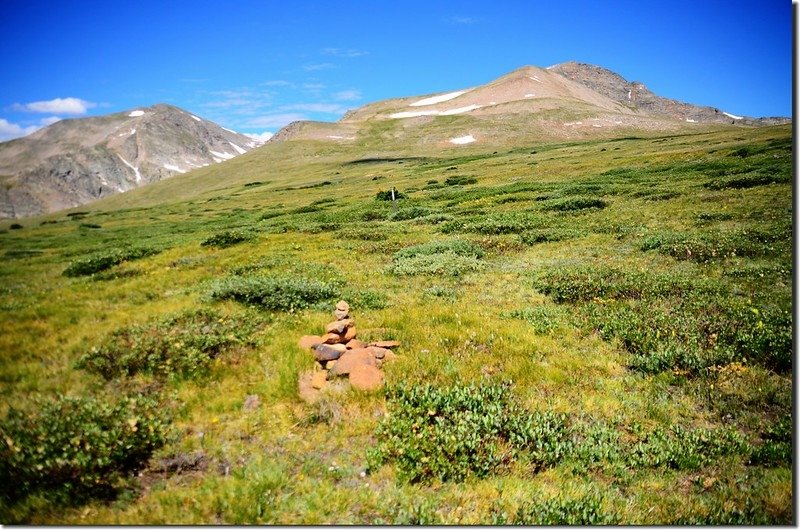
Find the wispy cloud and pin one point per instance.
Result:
(344, 52)
(273, 120)
(325, 108)
(262, 137)
(461, 20)
(56, 106)
(315, 67)
(278, 82)
(9, 130)
(347, 95)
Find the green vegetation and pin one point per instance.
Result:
(591, 332)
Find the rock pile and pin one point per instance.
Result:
(340, 354)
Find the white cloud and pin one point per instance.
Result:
(318, 66)
(347, 95)
(275, 120)
(260, 137)
(57, 106)
(9, 130)
(327, 108)
(343, 52)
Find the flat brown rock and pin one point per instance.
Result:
(309, 341)
(341, 315)
(389, 356)
(350, 359)
(339, 326)
(350, 334)
(385, 344)
(378, 353)
(341, 348)
(366, 377)
(319, 379)
(331, 338)
(355, 344)
(325, 352)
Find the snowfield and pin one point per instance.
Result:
(437, 99)
(733, 116)
(170, 167)
(238, 149)
(136, 114)
(468, 139)
(223, 156)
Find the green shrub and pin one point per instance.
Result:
(15, 226)
(750, 180)
(78, 447)
(681, 448)
(707, 246)
(444, 264)
(176, 346)
(544, 319)
(546, 235)
(458, 247)
(413, 212)
(460, 180)
(387, 195)
(106, 260)
(453, 433)
(273, 293)
(227, 239)
(777, 447)
(584, 511)
(570, 204)
(495, 224)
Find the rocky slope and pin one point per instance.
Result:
(569, 100)
(73, 162)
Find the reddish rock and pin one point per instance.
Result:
(339, 326)
(350, 334)
(331, 338)
(309, 341)
(341, 315)
(366, 377)
(385, 344)
(307, 393)
(355, 343)
(351, 359)
(379, 353)
(330, 364)
(325, 352)
(341, 348)
(319, 379)
(341, 305)
(389, 357)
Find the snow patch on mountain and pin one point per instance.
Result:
(468, 139)
(195, 117)
(238, 149)
(460, 110)
(135, 169)
(733, 116)
(437, 99)
(136, 114)
(170, 167)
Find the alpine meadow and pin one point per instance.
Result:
(585, 291)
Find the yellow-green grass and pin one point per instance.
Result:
(289, 462)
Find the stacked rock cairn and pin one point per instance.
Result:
(340, 354)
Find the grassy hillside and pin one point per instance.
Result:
(591, 332)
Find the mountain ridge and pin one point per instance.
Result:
(75, 161)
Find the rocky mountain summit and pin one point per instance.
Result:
(76, 161)
(565, 101)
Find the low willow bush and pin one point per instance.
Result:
(708, 246)
(583, 511)
(228, 238)
(547, 235)
(176, 346)
(74, 448)
(275, 293)
(446, 258)
(544, 319)
(571, 204)
(456, 432)
(495, 224)
(106, 260)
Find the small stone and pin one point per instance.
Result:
(385, 344)
(341, 305)
(341, 348)
(307, 393)
(330, 364)
(319, 379)
(339, 326)
(309, 341)
(251, 402)
(366, 377)
(355, 343)
(341, 314)
(331, 338)
(351, 359)
(379, 353)
(325, 352)
(350, 334)
(389, 356)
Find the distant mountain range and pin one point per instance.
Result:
(73, 162)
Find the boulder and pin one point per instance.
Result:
(366, 377)
(351, 359)
(341, 348)
(319, 379)
(309, 341)
(385, 344)
(355, 343)
(341, 314)
(341, 305)
(325, 352)
(378, 353)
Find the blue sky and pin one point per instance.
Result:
(254, 66)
